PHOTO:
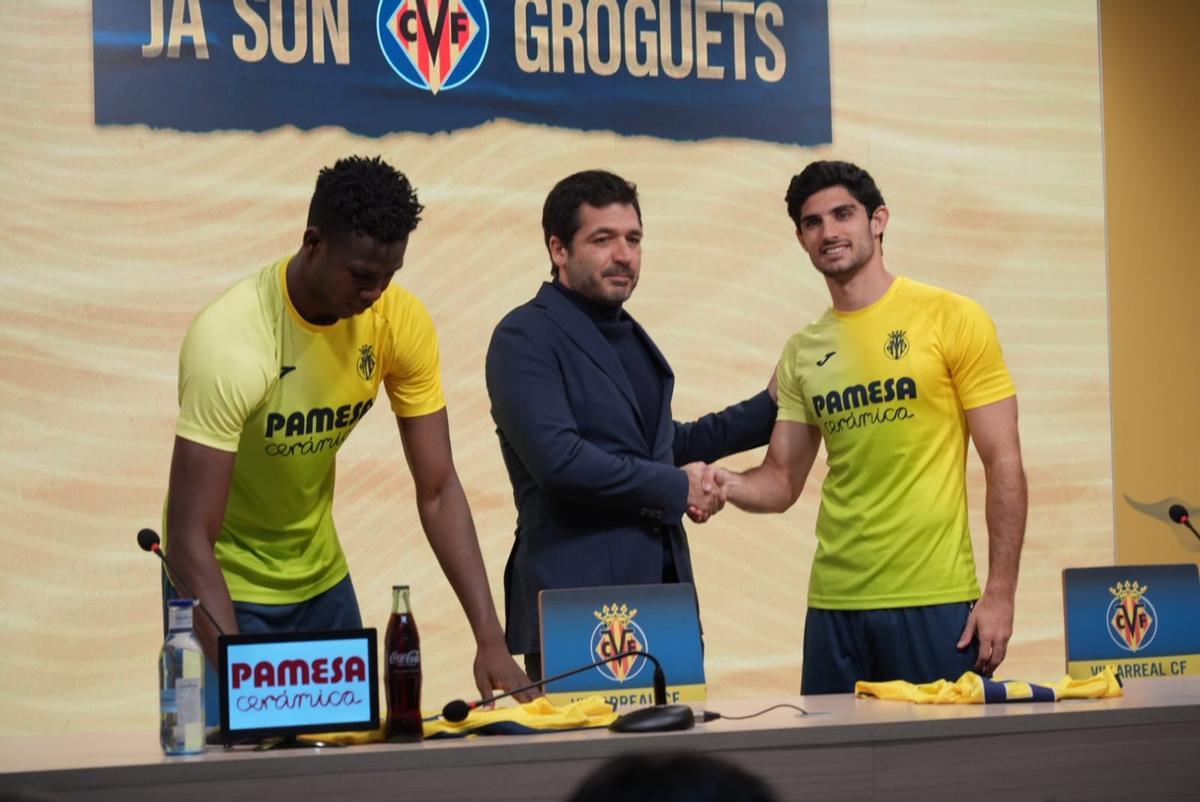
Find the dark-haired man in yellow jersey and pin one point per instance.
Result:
(894, 377)
(273, 376)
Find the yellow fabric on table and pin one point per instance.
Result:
(348, 738)
(972, 689)
(540, 715)
(532, 717)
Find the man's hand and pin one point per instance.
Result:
(496, 669)
(703, 502)
(992, 622)
(723, 481)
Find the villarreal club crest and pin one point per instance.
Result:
(615, 633)
(1132, 621)
(434, 45)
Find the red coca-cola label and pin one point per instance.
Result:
(409, 659)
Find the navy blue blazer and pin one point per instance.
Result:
(594, 498)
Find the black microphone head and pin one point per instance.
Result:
(456, 711)
(1178, 513)
(148, 539)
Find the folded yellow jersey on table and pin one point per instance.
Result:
(532, 717)
(972, 689)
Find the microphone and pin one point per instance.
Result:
(662, 717)
(149, 541)
(1179, 515)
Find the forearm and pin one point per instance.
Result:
(446, 518)
(569, 467)
(1006, 507)
(762, 489)
(193, 558)
(736, 428)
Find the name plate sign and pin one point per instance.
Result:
(583, 625)
(1143, 619)
(295, 683)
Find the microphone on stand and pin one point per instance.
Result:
(662, 717)
(149, 541)
(1179, 515)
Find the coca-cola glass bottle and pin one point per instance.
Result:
(403, 648)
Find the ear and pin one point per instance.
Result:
(800, 239)
(312, 239)
(879, 221)
(558, 252)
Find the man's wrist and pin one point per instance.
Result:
(1001, 588)
(491, 637)
(733, 487)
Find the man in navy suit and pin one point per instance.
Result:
(601, 474)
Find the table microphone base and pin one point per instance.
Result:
(660, 718)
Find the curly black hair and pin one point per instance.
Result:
(358, 195)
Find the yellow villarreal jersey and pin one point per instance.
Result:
(257, 379)
(887, 386)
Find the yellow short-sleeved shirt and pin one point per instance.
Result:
(256, 378)
(887, 386)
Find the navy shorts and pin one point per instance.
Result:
(336, 608)
(917, 644)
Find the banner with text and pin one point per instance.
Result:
(678, 69)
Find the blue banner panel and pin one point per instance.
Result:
(679, 69)
(583, 625)
(1144, 619)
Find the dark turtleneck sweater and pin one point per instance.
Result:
(634, 353)
(642, 371)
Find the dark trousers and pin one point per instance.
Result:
(533, 666)
(917, 644)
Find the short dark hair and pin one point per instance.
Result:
(671, 778)
(599, 188)
(825, 174)
(364, 196)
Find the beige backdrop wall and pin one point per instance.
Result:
(1152, 164)
(981, 122)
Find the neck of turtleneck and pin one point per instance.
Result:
(601, 313)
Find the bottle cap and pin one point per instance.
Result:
(399, 587)
(181, 603)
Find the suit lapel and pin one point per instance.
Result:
(665, 430)
(580, 328)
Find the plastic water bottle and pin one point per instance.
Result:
(181, 684)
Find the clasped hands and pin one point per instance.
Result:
(708, 490)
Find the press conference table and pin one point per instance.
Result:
(1145, 745)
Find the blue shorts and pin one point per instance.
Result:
(917, 644)
(336, 608)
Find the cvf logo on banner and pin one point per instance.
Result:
(433, 44)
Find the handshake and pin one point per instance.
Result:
(708, 489)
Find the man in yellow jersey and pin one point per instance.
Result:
(894, 377)
(273, 376)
